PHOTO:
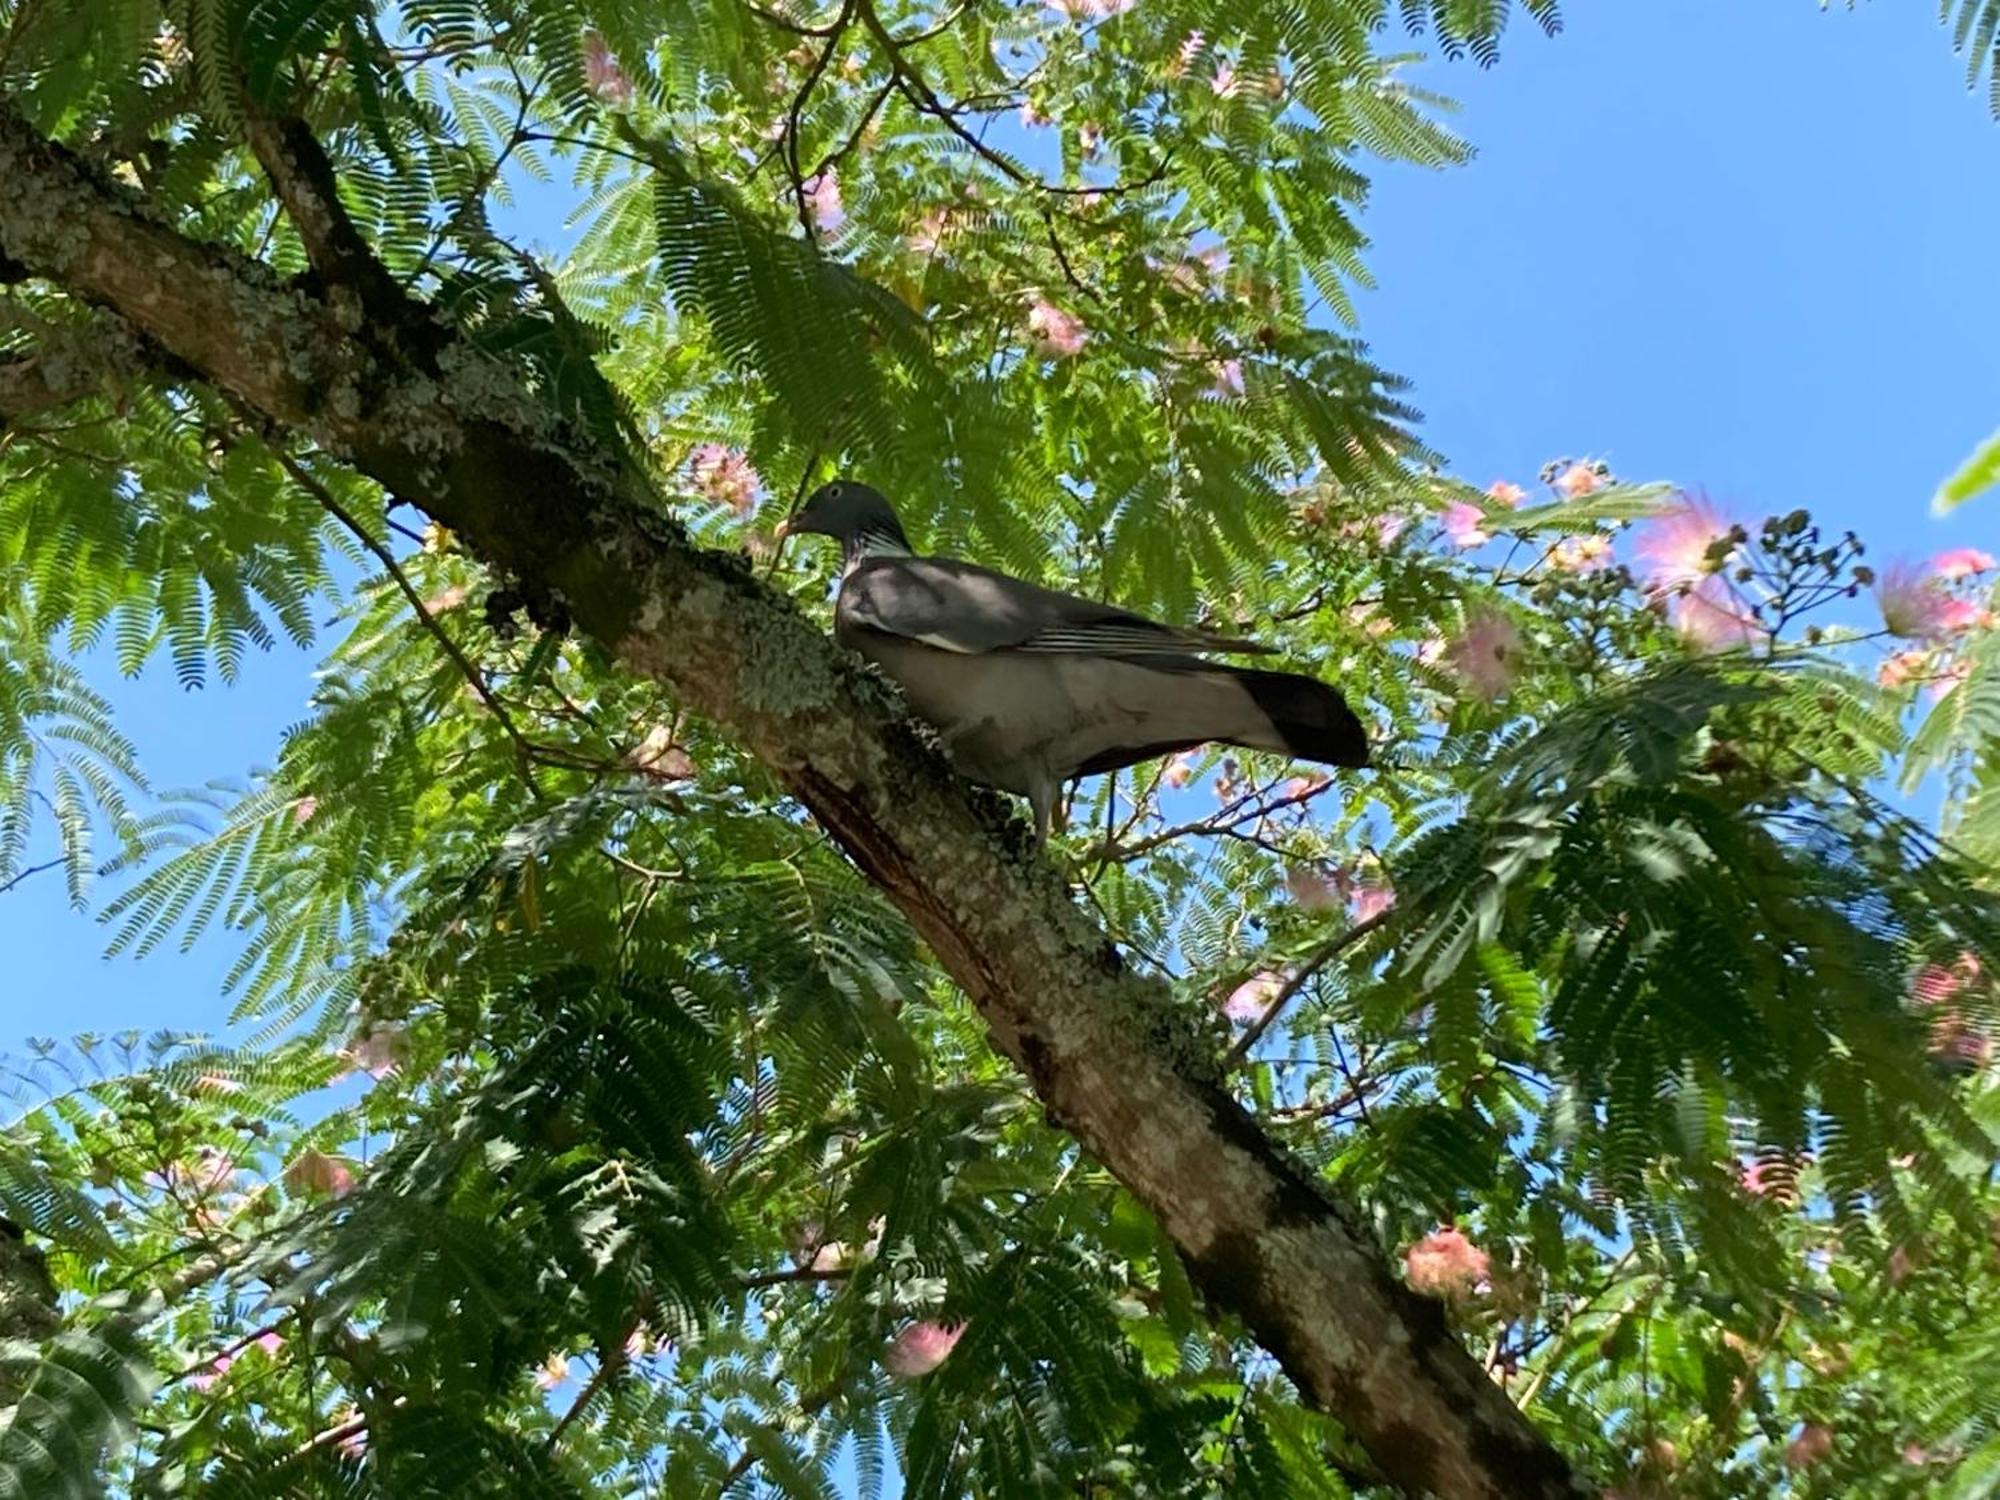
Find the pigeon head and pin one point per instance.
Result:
(856, 516)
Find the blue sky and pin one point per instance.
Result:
(1746, 246)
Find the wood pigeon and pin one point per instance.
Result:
(1029, 686)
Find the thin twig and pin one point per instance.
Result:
(312, 485)
(8, 885)
(835, 157)
(796, 113)
(1223, 820)
(609, 1365)
(1327, 953)
(926, 99)
(748, 1457)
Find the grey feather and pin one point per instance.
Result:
(959, 606)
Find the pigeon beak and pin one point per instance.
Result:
(784, 529)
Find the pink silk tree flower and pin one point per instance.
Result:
(1914, 602)
(1677, 542)
(1712, 617)
(1960, 615)
(1180, 770)
(822, 197)
(1465, 524)
(378, 1051)
(1579, 480)
(1501, 492)
(1487, 655)
(725, 476)
(1813, 1445)
(1936, 984)
(1444, 1263)
(1370, 899)
(205, 1378)
(211, 1171)
(1961, 562)
(1249, 999)
(1947, 678)
(1313, 890)
(1186, 53)
(1581, 554)
(314, 1172)
(1772, 1177)
(552, 1371)
(1054, 332)
(921, 1348)
(1901, 667)
(602, 75)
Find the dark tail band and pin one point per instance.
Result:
(1311, 718)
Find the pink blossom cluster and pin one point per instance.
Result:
(602, 75)
(1813, 1445)
(1444, 1263)
(1772, 1177)
(1250, 999)
(1941, 992)
(1938, 676)
(724, 475)
(1055, 333)
(313, 1173)
(378, 1049)
(1581, 554)
(822, 201)
(269, 1340)
(1919, 603)
(1486, 655)
(1685, 549)
(921, 1348)
(1184, 55)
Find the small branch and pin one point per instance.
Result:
(793, 116)
(66, 363)
(8, 885)
(1297, 1113)
(1222, 821)
(353, 1427)
(748, 1457)
(1062, 259)
(311, 484)
(1327, 953)
(303, 178)
(610, 1364)
(925, 98)
(835, 157)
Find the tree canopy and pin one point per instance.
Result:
(657, 1073)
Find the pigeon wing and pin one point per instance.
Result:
(961, 607)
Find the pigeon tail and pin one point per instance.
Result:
(1313, 722)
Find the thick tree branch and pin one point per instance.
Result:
(1115, 1063)
(304, 180)
(64, 364)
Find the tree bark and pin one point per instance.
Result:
(387, 388)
